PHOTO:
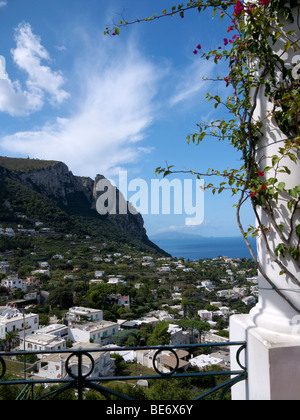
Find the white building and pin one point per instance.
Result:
(176, 296)
(4, 267)
(129, 356)
(44, 264)
(205, 315)
(13, 320)
(30, 296)
(58, 257)
(118, 300)
(164, 269)
(100, 332)
(152, 320)
(147, 258)
(117, 280)
(253, 280)
(208, 285)
(164, 362)
(42, 342)
(178, 336)
(45, 272)
(13, 282)
(226, 294)
(124, 301)
(78, 312)
(54, 365)
(249, 300)
(99, 274)
(58, 330)
(96, 281)
(204, 360)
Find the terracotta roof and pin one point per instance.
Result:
(171, 361)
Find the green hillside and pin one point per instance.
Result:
(24, 165)
(17, 201)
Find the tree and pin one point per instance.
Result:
(122, 337)
(160, 335)
(194, 324)
(8, 393)
(169, 390)
(11, 339)
(60, 296)
(259, 49)
(120, 364)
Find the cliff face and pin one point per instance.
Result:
(55, 181)
(76, 194)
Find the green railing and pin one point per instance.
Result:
(77, 377)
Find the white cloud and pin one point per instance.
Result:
(115, 108)
(16, 102)
(41, 80)
(3, 3)
(114, 96)
(190, 82)
(28, 56)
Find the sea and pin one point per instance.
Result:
(194, 248)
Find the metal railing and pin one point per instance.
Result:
(79, 373)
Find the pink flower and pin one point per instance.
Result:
(252, 194)
(261, 174)
(227, 79)
(199, 47)
(239, 8)
(263, 187)
(264, 2)
(231, 28)
(250, 8)
(225, 41)
(195, 52)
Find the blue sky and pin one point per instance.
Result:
(103, 104)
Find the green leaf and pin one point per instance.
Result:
(280, 250)
(287, 46)
(298, 231)
(281, 186)
(291, 205)
(294, 192)
(275, 160)
(292, 157)
(294, 251)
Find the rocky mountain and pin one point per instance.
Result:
(75, 195)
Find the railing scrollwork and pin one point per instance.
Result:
(80, 364)
(2, 367)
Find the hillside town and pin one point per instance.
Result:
(73, 294)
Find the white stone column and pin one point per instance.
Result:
(272, 329)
